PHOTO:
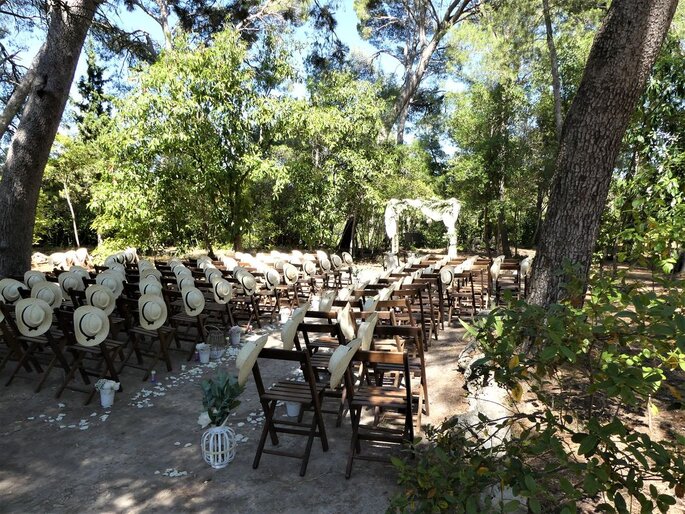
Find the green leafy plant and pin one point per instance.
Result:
(220, 396)
(575, 376)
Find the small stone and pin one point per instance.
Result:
(241, 424)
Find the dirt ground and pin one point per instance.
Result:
(143, 454)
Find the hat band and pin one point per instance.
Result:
(27, 324)
(80, 327)
(142, 313)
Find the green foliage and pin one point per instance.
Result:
(586, 370)
(220, 396)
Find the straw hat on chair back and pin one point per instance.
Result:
(223, 290)
(33, 276)
(101, 297)
(34, 317)
(152, 311)
(49, 292)
(9, 290)
(91, 325)
(193, 301)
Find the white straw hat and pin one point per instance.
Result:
(365, 330)
(119, 268)
(301, 312)
(9, 290)
(91, 325)
(193, 301)
(345, 321)
(272, 278)
(247, 357)
(150, 272)
(309, 268)
(325, 264)
(336, 261)
(181, 271)
(185, 282)
(347, 257)
(288, 333)
(248, 282)
(112, 280)
(49, 292)
(33, 276)
(223, 291)
(80, 270)
(447, 275)
(150, 286)
(34, 317)
(212, 274)
(69, 281)
(101, 297)
(326, 302)
(340, 360)
(151, 311)
(290, 273)
(145, 264)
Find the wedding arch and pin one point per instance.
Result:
(446, 211)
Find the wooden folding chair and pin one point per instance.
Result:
(385, 394)
(309, 394)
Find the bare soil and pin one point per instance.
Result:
(143, 454)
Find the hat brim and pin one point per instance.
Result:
(365, 331)
(6, 286)
(345, 321)
(288, 333)
(81, 337)
(23, 327)
(217, 297)
(54, 289)
(247, 357)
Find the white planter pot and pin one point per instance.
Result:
(205, 353)
(107, 397)
(293, 408)
(235, 338)
(218, 446)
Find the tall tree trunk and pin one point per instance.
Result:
(73, 214)
(503, 233)
(68, 23)
(554, 66)
(615, 75)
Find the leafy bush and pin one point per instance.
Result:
(220, 396)
(585, 370)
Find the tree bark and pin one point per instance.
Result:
(16, 101)
(554, 66)
(615, 76)
(68, 23)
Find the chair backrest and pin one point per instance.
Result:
(333, 330)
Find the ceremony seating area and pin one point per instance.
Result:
(360, 345)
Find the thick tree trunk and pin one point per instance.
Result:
(68, 23)
(616, 72)
(554, 66)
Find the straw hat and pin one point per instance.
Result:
(181, 271)
(119, 268)
(112, 280)
(272, 278)
(336, 261)
(33, 276)
(80, 270)
(152, 311)
(247, 357)
(185, 282)
(150, 285)
(340, 360)
(248, 282)
(309, 268)
(174, 262)
(223, 291)
(446, 275)
(365, 330)
(34, 317)
(69, 280)
(371, 303)
(325, 264)
(91, 325)
(150, 272)
(290, 273)
(346, 323)
(193, 301)
(301, 312)
(100, 297)
(326, 302)
(130, 255)
(9, 290)
(288, 333)
(145, 264)
(49, 292)
(212, 274)
(347, 257)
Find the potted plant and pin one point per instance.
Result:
(107, 388)
(219, 397)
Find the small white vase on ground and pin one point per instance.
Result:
(293, 409)
(205, 351)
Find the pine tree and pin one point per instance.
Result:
(94, 102)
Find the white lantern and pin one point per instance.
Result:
(218, 446)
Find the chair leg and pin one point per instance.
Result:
(355, 415)
(269, 408)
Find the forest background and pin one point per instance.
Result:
(256, 126)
